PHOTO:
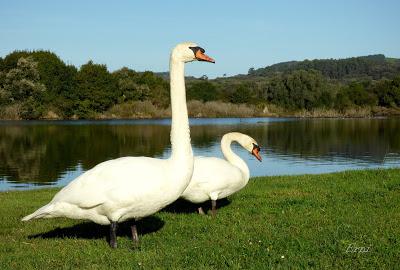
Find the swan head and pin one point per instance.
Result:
(188, 52)
(256, 151)
(250, 145)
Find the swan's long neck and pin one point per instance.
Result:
(234, 159)
(180, 132)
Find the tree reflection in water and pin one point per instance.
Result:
(40, 152)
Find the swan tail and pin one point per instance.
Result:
(42, 212)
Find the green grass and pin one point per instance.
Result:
(274, 223)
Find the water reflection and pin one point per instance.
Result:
(53, 153)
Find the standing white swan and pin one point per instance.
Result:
(215, 178)
(134, 187)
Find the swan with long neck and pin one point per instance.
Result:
(134, 187)
(214, 178)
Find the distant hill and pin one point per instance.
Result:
(369, 67)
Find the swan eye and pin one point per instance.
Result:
(197, 48)
(255, 146)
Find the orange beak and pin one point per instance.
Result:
(203, 57)
(256, 153)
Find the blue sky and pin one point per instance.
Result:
(238, 34)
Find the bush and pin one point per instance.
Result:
(203, 90)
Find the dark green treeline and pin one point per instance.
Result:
(33, 84)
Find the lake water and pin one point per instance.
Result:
(52, 153)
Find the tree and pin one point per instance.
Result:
(342, 100)
(298, 90)
(358, 94)
(202, 90)
(96, 90)
(21, 85)
(154, 88)
(251, 71)
(54, 74)
(240, 95)
(388, 92)
(127, 85)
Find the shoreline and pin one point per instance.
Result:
(211, 109)
(162, 119)
(252, 178)
(203, 117)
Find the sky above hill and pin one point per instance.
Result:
(238, 34)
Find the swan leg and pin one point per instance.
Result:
(201, 211)
(113, 234)
(213, 207)
(135, 236)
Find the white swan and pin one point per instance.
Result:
(214, 178)
(134, 187)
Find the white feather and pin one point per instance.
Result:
(133, 187)
(214, 178)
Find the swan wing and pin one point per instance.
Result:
(212, 177)
(117, 180)
(215, 172)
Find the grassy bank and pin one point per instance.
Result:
(307, 221)
(145, 109)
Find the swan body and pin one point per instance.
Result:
(113, 191)
(134, 187)
(214, 178)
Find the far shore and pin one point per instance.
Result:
(206, 117)
(211, 109)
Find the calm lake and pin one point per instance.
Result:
(52, 153)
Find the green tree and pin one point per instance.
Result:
(240, 95)
(359, 95)
(53, 73)
(342, 100)
(96, 90)
(129, 87)
(388, 92)
(155, 88)
(298, 90)
(202, 90)
(251, 71)
(22, 85)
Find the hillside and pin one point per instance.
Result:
(364, 67)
